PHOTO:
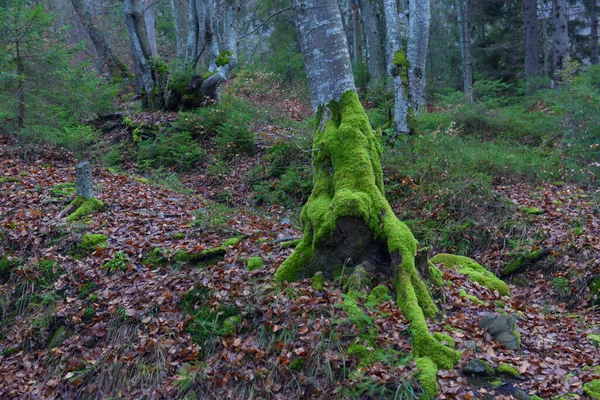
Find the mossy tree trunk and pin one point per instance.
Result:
(347, 221)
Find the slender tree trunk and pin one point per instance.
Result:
(140, 56)
(347, 219)
(463, 11)
(372, 15)
(20, 86)
(179, 9)
(416, 53)
(560, 39)
(594, 31)
(193, 32)
(108, 57)
(532, 64)
(356, 35)
(397, 66)
(150, 23)
(209, 35)
(546, 47)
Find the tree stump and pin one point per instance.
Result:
(83, 180)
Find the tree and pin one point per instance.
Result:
(560, 38)
(116, 67)
(347, 221)
(463, 12)
(416, 52)
(532, 63)
(372, 14)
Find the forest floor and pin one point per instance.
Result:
(108, 321)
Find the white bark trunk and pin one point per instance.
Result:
(320, 26)
(394, 45)
(140, 58)
(179, 9)
(150, 26)
(416, 53)
(210, 38)
(193, 33)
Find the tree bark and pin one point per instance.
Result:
(150, 23)
(397, 66)
(179, 19)
(140, 57)
(193, 33)
(416, 53)
(20, 86)
(356, 35)
(347, 222)
(372, 15)
(532, 64)
(594, 31)
(115, 66)
(463, 11)
(209, 35)
(560, 39)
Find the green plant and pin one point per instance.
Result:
(118, 262)
(234, 137)
(212, 216)
(177, 150)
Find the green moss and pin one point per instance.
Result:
(7, 265)
(91, 242)
(318, 281)
(535, 397)
(136, 135)
(85, 207)
(9, 179)
(88, 314)
(63, 189)
(348, 182)
(436, 276)
(522, 261)
(255, 263)
(496, 382)
(297, 364)
(355, 314)
(58, 338)
(412, 121)
(426, 375)
(86, 289)
(445, 339)
(476, 272)
(507, 369)
(533, 211)
(366, 355)
(378, 295)
(595, 291)
(223, 58)
(474, 299)
(178, 236)
(592, 389)
(230, 324)
(208, 75)
(233, 241)
(594, 338)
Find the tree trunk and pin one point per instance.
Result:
(463, 11)
(115, 66)
(193, 33)
(150, 23)
(210, 39)
(372, 15)
(416, 53)
(594, 31)
(20, 86)
(356, 36)
(139, 55)
(347, 221)
(532, 64)
(179, 19)
(397, 66)
(560, 39)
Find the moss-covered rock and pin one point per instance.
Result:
(477, 367)
(507, 369)
(524, 260)
(318, 281)
(476, 272)
(378, 295)
(85, 207)
(595, 291)
(230, 324)
(474, 299)
(255, 263)
(91, 242)
(592, 389)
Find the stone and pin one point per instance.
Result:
(503, 328)
(83, 180)
(477, 367)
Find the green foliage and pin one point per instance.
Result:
(361, 75)
(7, 265)
(213, 216)
(234, 137)
(118, 263)
(177, 150)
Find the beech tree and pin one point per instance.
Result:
(347, 221)
(532, 64)
(560, 38)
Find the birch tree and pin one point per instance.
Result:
(347, 222)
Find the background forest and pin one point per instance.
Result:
(196, 117)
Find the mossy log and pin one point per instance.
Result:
(347, 221)
(525, 260)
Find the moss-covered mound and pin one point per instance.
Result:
(476, 272)
(347, 216)
(592, 389)
(85, 207)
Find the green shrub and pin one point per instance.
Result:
(233, 136)
(177, 150)
(119, 262)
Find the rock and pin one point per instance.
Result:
(503, 328)
(477, 367)
(285, 221)
(90, 342)
(471, 344)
